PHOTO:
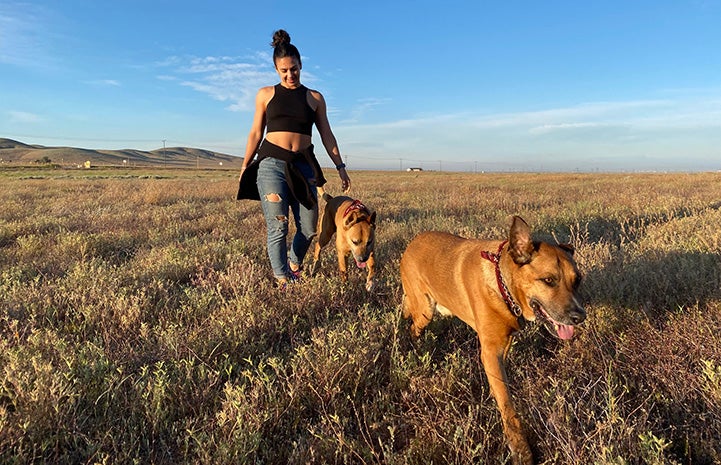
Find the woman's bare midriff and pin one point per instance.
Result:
(289, 140)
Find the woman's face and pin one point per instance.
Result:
(288, 69)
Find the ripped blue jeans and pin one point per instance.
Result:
(277, 200)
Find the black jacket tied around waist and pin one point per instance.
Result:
(298, 184)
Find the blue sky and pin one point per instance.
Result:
(512, 85)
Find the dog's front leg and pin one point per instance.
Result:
(493, 358)
(342, 265)
(316, 258)
(326, 229)
(371, 265)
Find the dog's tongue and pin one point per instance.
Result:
(564, 331)
(360, 264)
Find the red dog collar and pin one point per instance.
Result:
(495, 258)
(356, 205)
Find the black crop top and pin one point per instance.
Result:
(288, 110)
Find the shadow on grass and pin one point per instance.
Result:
(657, 284)
(656, 281)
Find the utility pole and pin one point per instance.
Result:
(165, 160)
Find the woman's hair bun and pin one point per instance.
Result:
(280, 37)
(282, 47)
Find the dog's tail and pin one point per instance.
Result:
(324, 195)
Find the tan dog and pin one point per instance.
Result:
(354, 227)
(494, 287)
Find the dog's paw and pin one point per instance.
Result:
(370, 285)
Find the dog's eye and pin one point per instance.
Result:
(355, 242)
(549, 281)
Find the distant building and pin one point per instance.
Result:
(414, 169)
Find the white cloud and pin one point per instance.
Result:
(23, 117)
(679, 124)
(226, 79)
(586, 113)
(15, 35)
(548, 128)
(104, 82)
(25, 34)
(632, 132)
(363, 107)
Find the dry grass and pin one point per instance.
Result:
(139, 325)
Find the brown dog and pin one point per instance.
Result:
(494, 287)
(354, 227)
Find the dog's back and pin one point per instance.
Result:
(439, 271)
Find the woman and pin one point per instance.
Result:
(286, 171)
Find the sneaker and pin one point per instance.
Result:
(283, 283)
(295, 275)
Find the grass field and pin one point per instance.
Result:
(140, 325)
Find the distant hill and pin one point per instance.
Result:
(15, 152)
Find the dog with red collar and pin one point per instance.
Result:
(354, 227)
(494, 287)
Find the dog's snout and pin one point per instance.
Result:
(363, 257)
(577, 315)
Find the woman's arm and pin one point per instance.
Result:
(328, 138)
(257, 128)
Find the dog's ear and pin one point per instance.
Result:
(567, 247)
(520, 244)
(373, 219)
(350, 220)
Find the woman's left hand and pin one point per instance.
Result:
(344, 179)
